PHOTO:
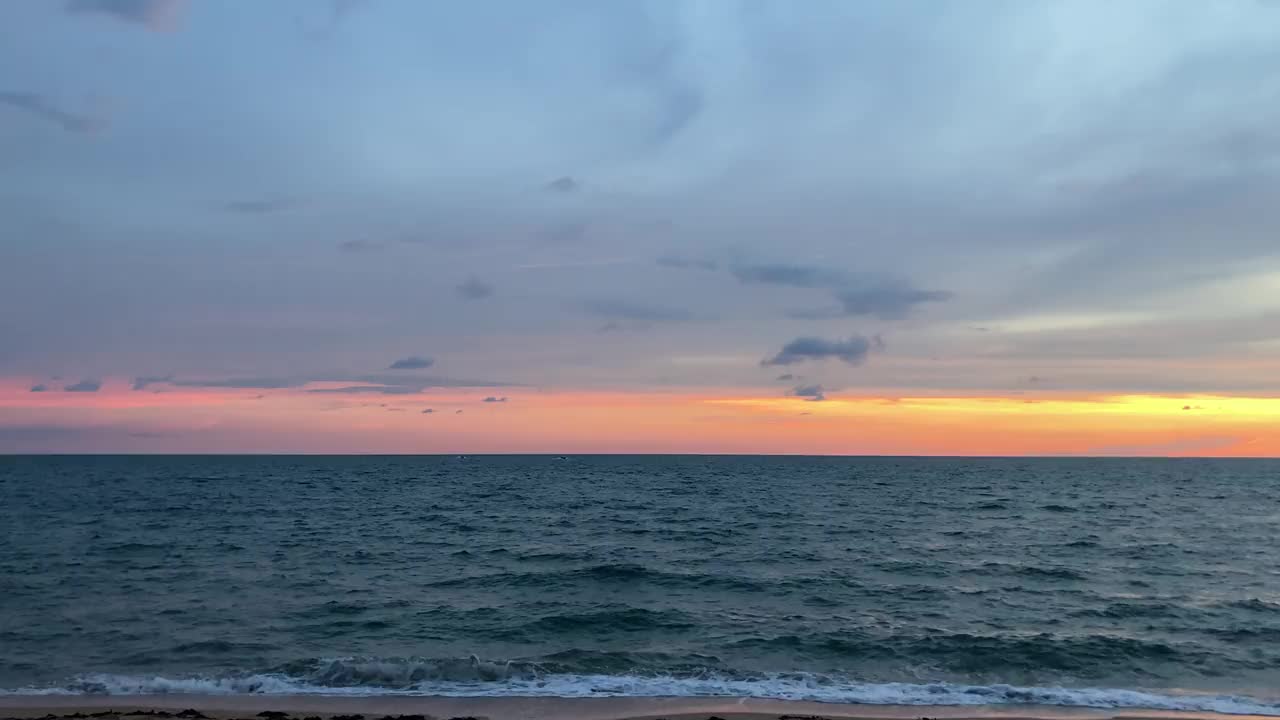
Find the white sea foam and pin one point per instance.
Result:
(788, 687)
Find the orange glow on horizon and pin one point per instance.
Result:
(168, 419)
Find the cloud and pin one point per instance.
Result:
(720, 120)
(815, 393)
(801, 276)
(457, 412)
(564, 184)
(39, 387)
(141, 383)
(852, 351)
(687, 263)
(370, 390)
(157, 15)
(858, 294)
(361, 246)
(84, 386)
(257, 207)
(397, 384)
(428, 411)
(413, 362)
(244, 383)
(785, 377)
(492, 399)
(887, 302)
(42, 107)
(474, 289)
(626, 310)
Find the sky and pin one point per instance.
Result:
(956, 227)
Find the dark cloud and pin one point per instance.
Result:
(814, 393)
(370, 390)
(43, 108)
(245, 383)
(398, 384)
(887, 302)
(413, 362)
(397, 378)
(158, 15)
(257, 207)
(457, 412)
(564, 184)
(474, 289)
(681, 262)
(802, 276)
(85, 386)
(852, 351)
(883, 301)
(885, 298)
(626, 310)
(361, 246)
(428, 411)
(39, 387)
(492, 399)
(141, 383)
(785, 377)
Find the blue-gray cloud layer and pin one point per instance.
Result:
(297, 187)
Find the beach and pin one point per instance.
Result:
(196, 707)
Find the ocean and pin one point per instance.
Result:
(1145, 583)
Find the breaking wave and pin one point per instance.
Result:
(472, 677)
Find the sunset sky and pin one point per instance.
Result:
(965, 227)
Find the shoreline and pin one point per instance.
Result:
(298, 707)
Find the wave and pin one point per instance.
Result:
(601, 574)
(792, 686)
(1083, 656)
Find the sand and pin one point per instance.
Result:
(507, 708)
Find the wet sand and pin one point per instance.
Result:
(312, 707)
